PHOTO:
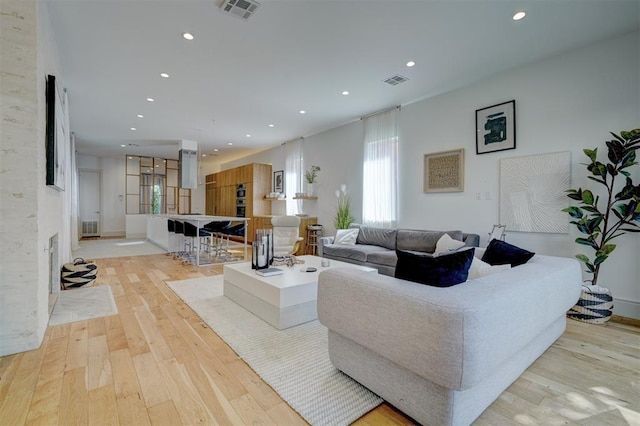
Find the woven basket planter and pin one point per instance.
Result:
(595, 305)
(78, 273)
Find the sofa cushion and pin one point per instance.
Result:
(358, 252)
(447, 244)
(438, 271)
(480, 269)
(502, 253)
(424, 241)
(383, 237)
(387, 258)
(346, 236)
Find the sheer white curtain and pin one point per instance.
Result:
(293, 175)
(380, 178)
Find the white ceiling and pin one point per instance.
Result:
(291, 55)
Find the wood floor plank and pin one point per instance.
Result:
(169, 368)
(154, 390)
(103, 409)
(132, 411)
(164, 414)
(74, 398)
(99, 371)
(124, 374)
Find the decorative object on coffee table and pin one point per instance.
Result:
(496, 128)
(444, 171)
(620, 214)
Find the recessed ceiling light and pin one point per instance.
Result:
(248, 136)
(272, 125)
(130, 158)
(519, 15)
(140, 116)
(215, 150)
(230, 143)
(187, 36)
(124, 146)
(345, 92)
(157, 165)
(204, 155)
(164, 74)
(150, 99)
(133, 128)
(411, 64)
(303, 111)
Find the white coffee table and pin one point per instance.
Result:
(282, 300)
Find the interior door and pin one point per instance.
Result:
(89, 203)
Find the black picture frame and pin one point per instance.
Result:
(496, 128)
(54, 136)
(278, 181)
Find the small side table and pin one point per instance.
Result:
(313, 232)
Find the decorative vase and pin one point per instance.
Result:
(310, 189)
(594, 306)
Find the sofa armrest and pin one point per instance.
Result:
(322, 241)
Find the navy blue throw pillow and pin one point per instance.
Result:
(501, 253)
(438, 271)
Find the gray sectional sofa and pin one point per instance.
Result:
(376, 247)
(443, 355)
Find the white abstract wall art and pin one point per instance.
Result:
(532, 192)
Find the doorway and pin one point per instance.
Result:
(90, 194)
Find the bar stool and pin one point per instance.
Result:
(313, 232)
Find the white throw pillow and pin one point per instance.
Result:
(447, 244)
(480, 269)
(346, 236)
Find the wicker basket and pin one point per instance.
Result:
(78, 273)
(595, 305)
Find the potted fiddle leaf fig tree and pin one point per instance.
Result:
(599, 223)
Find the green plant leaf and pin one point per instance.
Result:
(574, 212)
(621, 140)
(608, 248)
(591, 153)
(615, 151)
(587, 242)
(590, 267)
(599, 260)
(582, 258)
(593, 224)
(592, 210)
(587, 197)
(575, 194)
(597, 180)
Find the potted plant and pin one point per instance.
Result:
(343, 214)
(311, 176)
(600, 225)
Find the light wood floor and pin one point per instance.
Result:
(156, 362)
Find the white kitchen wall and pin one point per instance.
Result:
(565, 103)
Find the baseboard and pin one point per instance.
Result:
(626, 308)
(113, 234)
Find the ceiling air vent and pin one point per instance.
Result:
(395, 80)
(241, 8)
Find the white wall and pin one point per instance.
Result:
(113, 169)
(565, 103)
(31, 211)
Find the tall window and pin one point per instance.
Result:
(293, 175)
(380, 178)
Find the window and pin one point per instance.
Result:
(293, 178)
(380, 175)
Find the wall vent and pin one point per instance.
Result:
(395, 79)
(90, 229)
(240, 8)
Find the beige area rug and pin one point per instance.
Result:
(83, 303)
(294, 362)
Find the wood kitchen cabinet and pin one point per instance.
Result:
(221, 192)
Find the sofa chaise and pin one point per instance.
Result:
(443, 355)
(376, 247)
